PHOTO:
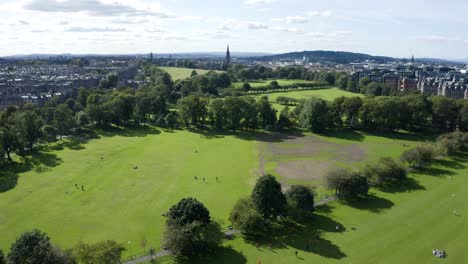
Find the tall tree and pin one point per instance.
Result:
(32, 247)
(27, 126)
(63, 119)
(315, 115)
(187, 211)
(268, 197)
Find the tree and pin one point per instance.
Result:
(444, 113)
(347, 184)
(245, 218)
(82, 119)
(187, 211)
(27, 128)
(49, 133)
(267, 113)
(268, 198)
(103, 252)
(32, 247)
(171, 119)
(300, 199)
(420, 156)
(193, 74)
(193, 109)
(385, 170)
(123, 106)
(189, 229)
(284, 120)
(246, 87)
(354, 187)
(363, 82)
(2, 257)
(217, 113)
(63, 120)
(315, 115)
(193, 238)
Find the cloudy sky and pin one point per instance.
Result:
(425, 28)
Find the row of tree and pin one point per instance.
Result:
(33, 247)
(411, 113)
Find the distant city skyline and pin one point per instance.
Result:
(429, 28)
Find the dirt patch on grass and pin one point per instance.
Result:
(305, 157)
(303, 169)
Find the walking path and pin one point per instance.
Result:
(227, 233)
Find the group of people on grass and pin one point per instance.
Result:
(438, 253)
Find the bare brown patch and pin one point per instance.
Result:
(316, 155)
(303, 169)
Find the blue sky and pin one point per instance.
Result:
(429, 28)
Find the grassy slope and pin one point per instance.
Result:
(122, 203)
(182, 73)
(125, 204)
(396, 226)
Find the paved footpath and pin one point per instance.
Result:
(227, 233)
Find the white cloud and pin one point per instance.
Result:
(62, 23)
(95, 8)
(94, 29)
(292, 20)
(257, 26)
(288, 30)
(258, 2)
(438, 38)
(22, 22)
(326, 13)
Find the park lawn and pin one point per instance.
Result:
(120, 202)
(260, 83)
(396, 225)
(183, 73)
(328, 94)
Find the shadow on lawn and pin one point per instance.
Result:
(407, 185)
(40, 161)
(436, 172)
(304, 235)
(249, 135)
(222, 255)
(372, 203)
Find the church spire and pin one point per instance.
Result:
(228, 55)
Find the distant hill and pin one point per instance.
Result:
(321, 55)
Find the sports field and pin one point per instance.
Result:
(258, 83)
(182, 73)
(130, 177)
(328, 94)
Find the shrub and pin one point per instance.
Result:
(385, 170)
(245, 218)
(420, 156)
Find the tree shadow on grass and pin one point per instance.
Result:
(450, 163)
(39, 161)
(304, 235)
(408, 185)
(225, 255)
(436, 172)
(347, 134)
(372, 203)
(130, 131)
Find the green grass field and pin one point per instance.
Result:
(125, 204)
(259, 83)
(325, 94)
(183, 73)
